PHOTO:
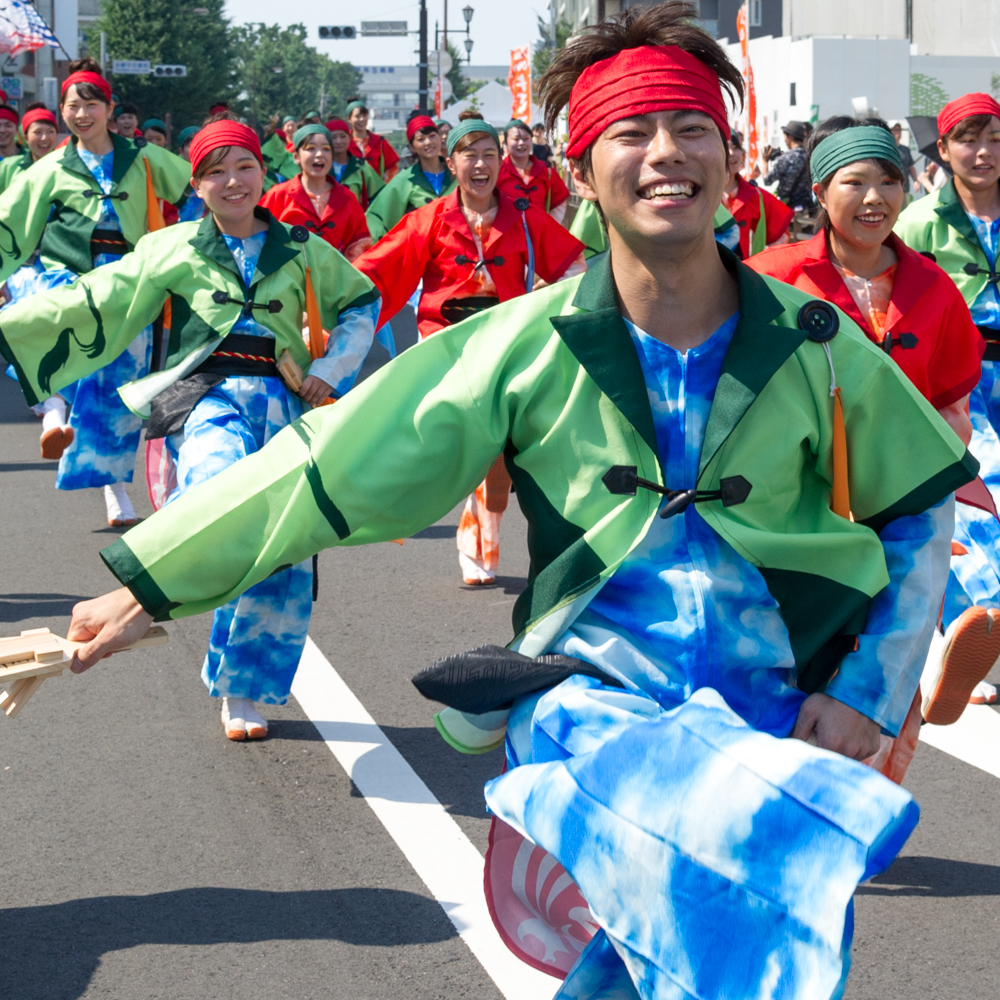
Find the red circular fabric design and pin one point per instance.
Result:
(223, 133)
(38, 115)
(338, 125)
(965, 107)
(84, 77)
(414, 125)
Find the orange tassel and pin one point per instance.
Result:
(840, 500)
(316, 345)
(154, 217)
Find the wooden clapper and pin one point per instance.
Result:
(29, 658)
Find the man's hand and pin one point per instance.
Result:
(314, 390)
(106, 624)
(837, 727)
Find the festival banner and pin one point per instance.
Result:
(750, 137)
(437, 98)
(519, 81)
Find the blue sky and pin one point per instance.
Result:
(497, 26)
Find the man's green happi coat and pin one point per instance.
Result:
(552, 381)
(938, 224)
(57, 337)
(408, 190)
(55, 206)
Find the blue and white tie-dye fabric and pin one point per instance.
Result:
(986, 307)
(718, 858)
(193, 209)
(257, 639)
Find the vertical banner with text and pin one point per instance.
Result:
(743, 30)
(437, 98)
(519, 81)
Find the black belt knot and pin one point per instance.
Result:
(622, 480)
(274, 306)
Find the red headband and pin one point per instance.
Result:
(636, 82)
(3, 96)
(414, 125)
(9, 115)
(965, 107)
(338, 125)
(223, 133)
(84, 77)
(38, 115)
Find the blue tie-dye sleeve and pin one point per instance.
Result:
(348, 347)
(881, 676)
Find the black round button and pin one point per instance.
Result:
(299, 233)
(139, 142)
(522, 204)
(819, 320)
(930, 256)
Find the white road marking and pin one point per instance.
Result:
(445, 859)
(975, 738)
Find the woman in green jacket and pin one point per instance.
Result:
(350, 170)
(80, 209)
(416, 186)
(40, 131)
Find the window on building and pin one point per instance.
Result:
(791, 94)
(755, 15)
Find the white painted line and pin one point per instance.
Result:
(975, 738)
(445, 859)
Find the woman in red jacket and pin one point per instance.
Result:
(524, 176)
(370, 146)
(472, 249)
(315, 200)
(763, 220)
(912, 310)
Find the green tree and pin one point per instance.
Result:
(542, 55)
(164, 32)
(461, 85)
(281, 75)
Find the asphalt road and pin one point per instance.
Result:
(145, 856)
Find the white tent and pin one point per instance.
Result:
(494, 104)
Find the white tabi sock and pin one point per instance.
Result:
(241, 720)
(120, 509)
(53, 413)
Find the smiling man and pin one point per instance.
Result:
(704, 582)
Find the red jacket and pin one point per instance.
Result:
(744, 206)
(342, 223)
(381, 156)
(428, 241)
(545, 190)
(945, 362)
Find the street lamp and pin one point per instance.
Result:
(468, 49)
(467, 13)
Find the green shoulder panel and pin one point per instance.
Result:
(588, 228)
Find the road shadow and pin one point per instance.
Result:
(28, 466)
(13, 408)
(914, 875)
(20, 607)
(53, 951)
(437, 531)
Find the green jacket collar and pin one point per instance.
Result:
(125, 154)
(278, 247)
(951, 210)
(599, 340)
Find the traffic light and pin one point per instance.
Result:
(331, 32)
(165, 70)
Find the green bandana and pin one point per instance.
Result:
(353, 105)
(866, 142)
(187, 134)
(287, 119)
(156, 123)
(468, 126)
(307, 130)
(312, 114)
(515, 122)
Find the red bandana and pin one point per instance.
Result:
(338, 125)
(414, 125)
(223, 133)
(38, 115)
(95, 78)
(637, 82)
(8, 115)
(965, 107)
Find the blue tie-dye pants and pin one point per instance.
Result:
(257, 639)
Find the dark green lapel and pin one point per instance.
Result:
(125, 154)
(601, 343)
(756, 352)
(71, 161)
(278, 247)
(209, 242)
(951, 210)
(419, 179)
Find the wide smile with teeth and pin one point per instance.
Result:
(872, 218)
(672, 189)
(234, 197)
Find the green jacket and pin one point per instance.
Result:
(12, 166)
(552, 381)
(277, 158)
(408, 190)
(362, 179)
(938, 224)
(53, 208)
(56, 337)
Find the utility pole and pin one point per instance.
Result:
(422, 89)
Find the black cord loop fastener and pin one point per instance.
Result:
(623, 480)
(274, 306)
(90, 193)
(462, 259)
(972, 270)
(905, 340)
